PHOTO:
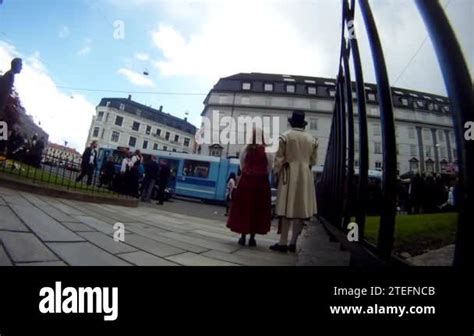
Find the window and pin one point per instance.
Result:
(115, 136)
(222, 99)
(429, 166)
(145, 144)
(313, 124)
(155, 146)
(443, 151)
(356, 163)
(107, 104)
(413, 165)
(196, 168)
(165, 148)
(430, 106)
(95, 133)
(404, 101)
(132, 141)
(118, 120)
(100, 115)
(332, 92)
(378, 165)
(268, 87)
(413, 150)
(122, 107)
(158, 132)
(148, 130)
(174, 149)
(245, 100)
(356, 147)
(176, 138)
(139, 112)
(441, 135)
(371, 96)
(311, 90)
(420, 104)
(428, 151)
(378, 148)
(376, 129)
(167, 136)
(186, 142)
(246, 86)
(290, 88)
(411, 132)
(426, 134)
(136, 126)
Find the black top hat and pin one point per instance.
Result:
(297, 119)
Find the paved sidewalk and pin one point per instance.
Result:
(39, 230)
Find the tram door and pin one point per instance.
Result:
(174, 166)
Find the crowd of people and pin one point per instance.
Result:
(136, 177)
(20, 147)
(427, 193)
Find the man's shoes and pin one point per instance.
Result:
(279, 248)
(242, 241)
(252, 242)
(292, 248)
(160, 203)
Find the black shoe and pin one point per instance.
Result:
(252, 242)
(292, 248)
(160, 203)
(279, 248)
(242, 241)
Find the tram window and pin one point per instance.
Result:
(196, 168)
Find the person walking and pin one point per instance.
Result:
(89, 162)
(107, 173)
(296, 197)
(231, 186)
(6, 84)
(151, 174)
(250, 211)
(163, 179)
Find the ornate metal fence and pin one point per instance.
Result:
(339, 196)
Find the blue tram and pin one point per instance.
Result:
(197, 176)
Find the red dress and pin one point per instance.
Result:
(250, 211)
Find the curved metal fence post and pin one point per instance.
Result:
(389, 180)
(459, 86)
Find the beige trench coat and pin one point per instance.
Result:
(297, 152)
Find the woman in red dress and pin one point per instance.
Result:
(250, 212)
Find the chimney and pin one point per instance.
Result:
(185, 118)
(129, 97)
(161, 108)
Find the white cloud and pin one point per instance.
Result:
(64, 32)
(136, 78)
(86, 49)
(142, 56)
(63, 118)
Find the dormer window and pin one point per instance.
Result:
(107, 104)
(122, 107)
(290, 88)
(268, 87)
(420, 103)
(371, 96)
(311, 90)
(288, 79)
(404, 101)
(246, 86)
(332, 92)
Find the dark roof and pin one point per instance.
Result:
(150, 113)
(258, 80)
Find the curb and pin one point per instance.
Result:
(46, 190)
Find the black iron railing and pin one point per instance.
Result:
(340, 198)
(52, 170)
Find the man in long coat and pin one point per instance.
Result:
(296, 198)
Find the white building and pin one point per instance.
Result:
(425, 138)
(126, 124)
(61, 154)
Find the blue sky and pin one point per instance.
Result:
(187, 45)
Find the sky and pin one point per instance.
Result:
(77, 51)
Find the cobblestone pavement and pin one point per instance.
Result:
(39, 230)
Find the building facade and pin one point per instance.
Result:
(424, 127)
(59, 154)
(124, 123)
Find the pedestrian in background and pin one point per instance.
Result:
(163, 179)
(89, 162)
(231, 186)
(151, 174)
